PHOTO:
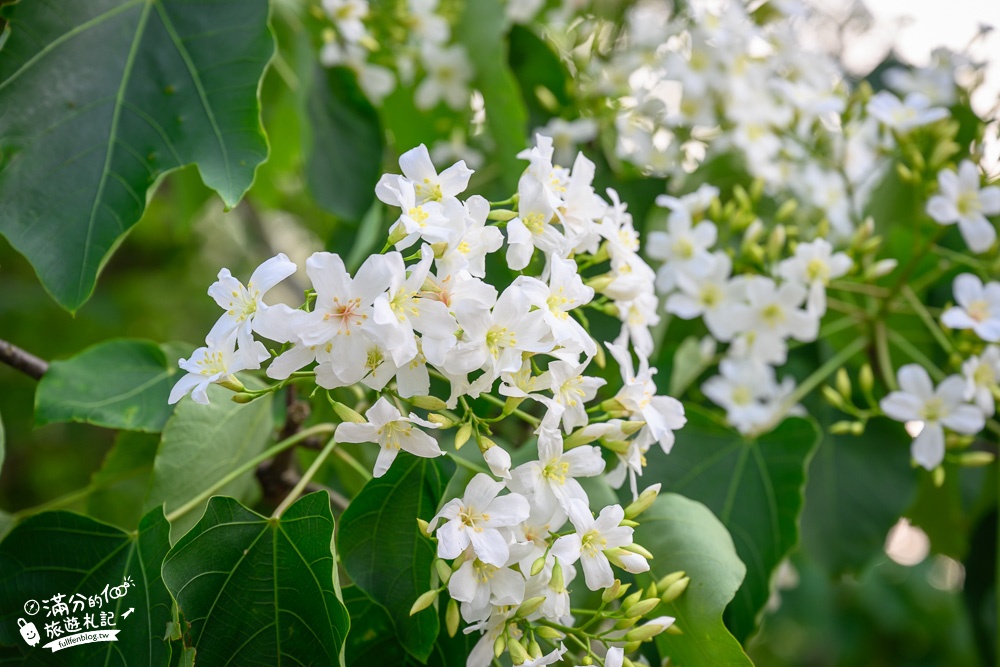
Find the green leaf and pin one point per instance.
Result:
(345, 147)
(104, 97)
(258, 590)
(372, 639)
(754, 486)
(2, 440)
(689, 363)
(481, 31)
(383, 551)
(119, 487)
(858, 488)
(201, 444)
(540, 73)
(684, 535)
(121, 384)
(61, 553)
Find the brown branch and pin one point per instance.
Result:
(23, 361)
(277, 477)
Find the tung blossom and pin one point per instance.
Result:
(917, 400)
(215, 364)
(393, 432)
(592, 538)
(477, 518)
(978, 307)
(962, 201)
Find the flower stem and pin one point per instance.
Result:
(294, 494)
(248, 466)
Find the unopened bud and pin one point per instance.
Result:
(501, 214)
(642, 608)
(753, 232)
(975, 459)
(674, 630)
(881, 268)
(534, 650)
(499, 644)
(538, 565)
(440, 420)
(905, 174)
(786, 210)
(601, 282)
(599, 359)
(843, 382)
(628, 523)
(439, 249)
(443, 570)
(627, 663)
(243, 397)
(530, 606)
(631, 600)
(832, 397)
(424, 601)
(866, 378)
(452, 617)
(632, 427)
(232, 383)
(462, 435)
(938, 476)
(643, 502)
(428, 402)
(776, 241)
(638, 549)
(579, 437)
(518, 654)
(545, 632)
(397, 234)
(425, 528)
(675, 590)
(613, 591)
(665, 583)
(626, 623)
(644, 632)
(557, 583)
(842, 428)
(632, 647)
(511, 403)
(617, 446)
(347, 414)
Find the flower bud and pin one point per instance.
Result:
(866, 378)
(452, 617)
(626, 623)
(443, 570)
(674, 630)
(347, 414)
(614, 591)
(776, 241)
(786, 210)
(617, 446)
(518, 654)
(501, 215)
(638, 549)
(628, 523)
(665, 583)
(938, 476)
(424, 601)
(243, 397)
(975, 459)
(631, 599)
(644, 632)
(643, 502)
(832, 397)
(631, 647)
(424, 527)
(843, 383)
(428, 402)
(440, 420)
(599, 359)
(538, 565)
(496, 458)
(580, 437)
(534, 649)
(499, 644)
(462, 435)
(530, 606)
(675, 590)
(880, 268)
(545, 632)
(842, 427)
(397, 234)
(600, 283)
(439, 249)
(557, 583)
(642, 608)
(632, 427)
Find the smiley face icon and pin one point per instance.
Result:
(29, 632)
(31, 607)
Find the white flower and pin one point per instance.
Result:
(472, 241)
(550, 482)
(425, 220)
(242, 304)
(393, 432)
(427, 25)
(348, 15)
(721, 302)
(682, 248)
(981, 376)
(566, 134)
(591, 539)
(215, 364)
(476, 519)
(532, 227)
(906, 115)
(428, 185)
(448, 75)
(775, 316)
(571, 389)
(918, 400)
(978, 307)
(479, 585)
(498, 460)
(815, 265)
(663, 415)
(961, 200)
(741, 389)
(565, 292)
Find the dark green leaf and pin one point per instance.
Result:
(101, 98)
(201, 444)
(345, 147)
(383, 551)
(372, 639)
(260, 591)
(61, 553)
(858, 488)
(481, 30)
(755, 487)
(2, 439)
(121, 384)
(536, 66)
(119, 487)
(684, 535)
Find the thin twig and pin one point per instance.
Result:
(22, 360)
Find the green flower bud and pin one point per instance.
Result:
(443, 570)
(530, 606)
(428, 402)
(675, 590)
(518, 654)
(538, 565)
(501, 214)
(243, 397)
(975, 459)
(614, 591)
(545, 632)
(451, 618)
(462, 435)
(631, 600)
(644, 632)
(347, 414)
(843, 383)
(642, 608)
(665, 583)
(866, 378)
(424, 601)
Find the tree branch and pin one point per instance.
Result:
(23, 361)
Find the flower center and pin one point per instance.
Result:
(933, 410)
(498, 337)
(348, 313)
(979, 310)
(817, 269)
(556, 470)
(683, 248)
(592, 543)
(773, 314)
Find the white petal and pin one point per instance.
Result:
(966, 419)
(270, 273)
(978, 233)
(901, 406)
(597, 571)
(490, 546)
(462, 585)
(350, 432)
(913, 379)
(452, 539)
(928, 447)
(386, 455)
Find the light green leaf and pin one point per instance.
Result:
(384, 553)
(754, 486)
(121, 384)
(858, 488)
(481, 31)
(258, 590)
(683, 535)
(119, 487)
(61, 553)
(2, 439)
(345, 145)
(101, 98)
(201, 443)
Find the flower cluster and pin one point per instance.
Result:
(429, 309)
